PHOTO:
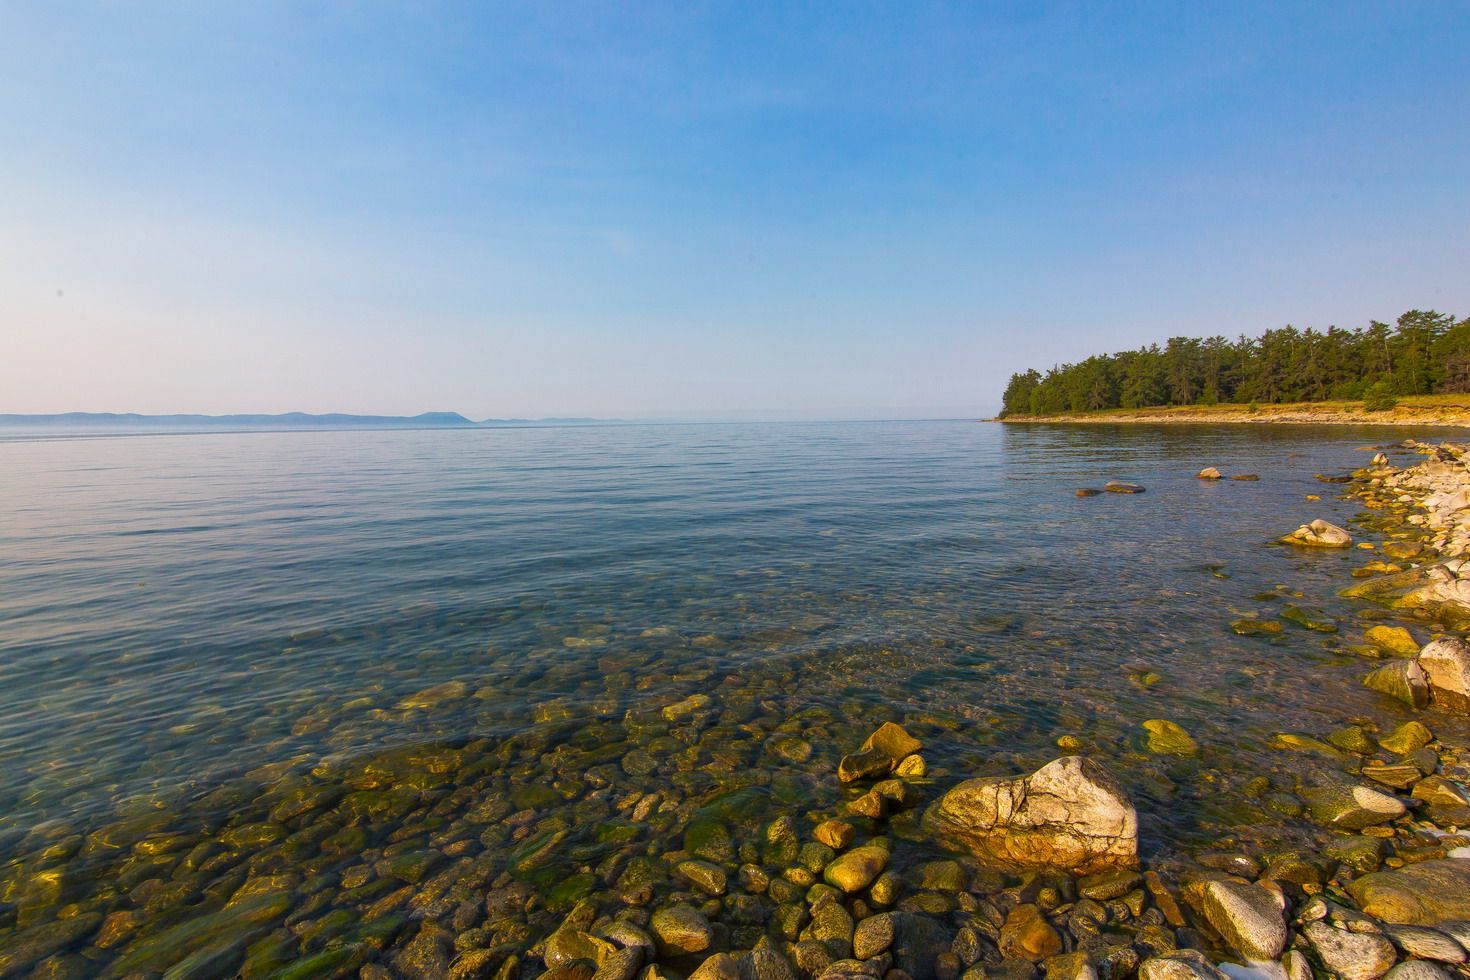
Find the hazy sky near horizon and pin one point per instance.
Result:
(703, 210)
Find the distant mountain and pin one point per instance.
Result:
(289, 420)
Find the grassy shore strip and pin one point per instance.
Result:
(1421, 410)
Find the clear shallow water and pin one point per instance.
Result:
(182, 612)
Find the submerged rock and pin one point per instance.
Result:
(856, 869)
(1256, 627)
(1071, 815)
(1319, 534)
(1026, 935)
(1169, 738)
(1350, 807)
(682, 929)
(1179, 964)
(1119, 486)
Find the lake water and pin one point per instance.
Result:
(189, 623)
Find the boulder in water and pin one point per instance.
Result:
(1422, 894)
(1209, 473)
(1069, 815)
(1319, 534)
(1248, 917)
(1446, 667)
(1402, 679)
(1119, 486)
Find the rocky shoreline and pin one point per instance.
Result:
(642, 845)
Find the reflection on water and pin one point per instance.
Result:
(220, 621)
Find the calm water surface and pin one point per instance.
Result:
(180, 611)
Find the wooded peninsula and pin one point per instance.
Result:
(1422, 353)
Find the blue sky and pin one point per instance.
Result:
(701, 210)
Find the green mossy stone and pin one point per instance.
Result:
(1310, 617)
(1256, 627)
(1165, 737)
(711, 840)
(570, 891)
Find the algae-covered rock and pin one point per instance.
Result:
(1442, 590)
(1070, 815)
(1169, 738)
(1349, 807)
(856, 869)
(1309, 617)
(1121, 486)
(836, 834)
(1401, 679)
(872, 936)
(867, 764)
(20, 950)
(893, 741)
(682, 929)
(1393, 639)
(1256, 627)
(1408, 737)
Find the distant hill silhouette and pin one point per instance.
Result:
(287, 420)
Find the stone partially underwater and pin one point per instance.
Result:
(1070, 815)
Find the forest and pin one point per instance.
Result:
(1423, 352)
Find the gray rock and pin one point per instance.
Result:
(1296, 965)
(1351, 955)
(1071, 815)
(1249, 917)
(1345, 806)
(1417, 970)
(1456, 929)
(872, 936)
(1446, 666)
(622, 964)
(1180, 964)
(1426, 944)
(1319, 534)
(1424, 894)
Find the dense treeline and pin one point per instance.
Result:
(1423, 353)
